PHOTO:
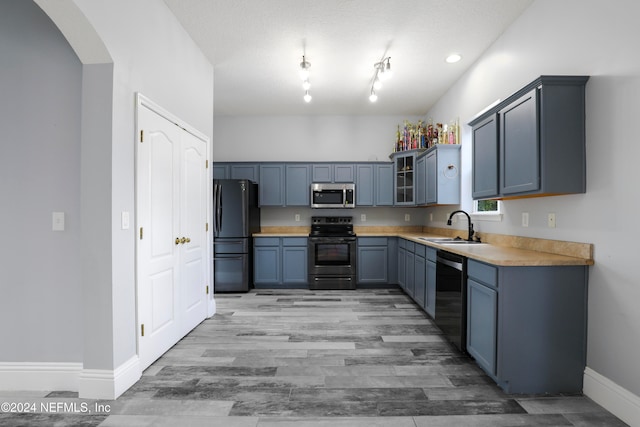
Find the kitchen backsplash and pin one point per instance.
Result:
(390, 216)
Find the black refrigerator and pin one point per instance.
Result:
(236, 217)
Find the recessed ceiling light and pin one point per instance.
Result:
(454, 57)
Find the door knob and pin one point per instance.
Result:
(183, 240)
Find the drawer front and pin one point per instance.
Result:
(410, 246)
(372, 241)
(421, 250)
(230, 246)
(266, 241)
(402, 243)
(294, 241)
(485, 273)
(431, 253)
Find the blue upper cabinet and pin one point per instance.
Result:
(404, 177)
(485, 158)
(221, 171)
(334, 172)
(519, 147)
(383, 184)
(248, 171)
(374, 184)
(437, 174)
(271, 187)
(540, 141)
(297, 184)
(343, 172)
(365, 184)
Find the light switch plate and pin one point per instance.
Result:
(125, 220)
(525, 219)
(58, 221)
(297, 217)
(551, 220)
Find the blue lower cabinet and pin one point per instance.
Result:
(402, 262)
(410, 274)
(294, 261)
(482, 315)
(373, 261)
(280, 262)
(266, 267)
(526, 326)
(420, 280)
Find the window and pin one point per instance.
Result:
(487, 210)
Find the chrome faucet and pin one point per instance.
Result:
(471, 231)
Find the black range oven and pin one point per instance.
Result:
(332, 253)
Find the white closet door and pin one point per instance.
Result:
(193, 213)
(157, 217)
(171, 193)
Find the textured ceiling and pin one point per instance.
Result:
(256, 46)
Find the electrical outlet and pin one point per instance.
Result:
(525, 219)
(297, 217)
(551, 220)
(407, 217)
(431, 216)
(363, 217)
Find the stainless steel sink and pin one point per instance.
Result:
(449, 241)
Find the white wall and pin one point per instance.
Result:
(40, 283)
(68, 145)
(596, 38)
(313, 138)
(305, 138)
(152, 54)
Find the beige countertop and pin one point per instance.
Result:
(499, 249)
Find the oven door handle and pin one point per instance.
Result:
(330, 241)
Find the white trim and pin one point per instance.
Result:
(107, 384)
(39, 376)
(486, 216)
(615, 399)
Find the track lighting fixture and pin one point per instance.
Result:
(304, 75)
(382, 72)
(373, 97)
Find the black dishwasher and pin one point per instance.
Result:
(451, 297)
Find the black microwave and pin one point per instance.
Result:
(326, 195)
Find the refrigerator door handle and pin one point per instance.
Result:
(216, 214)
(219, 210)
(245, 198)
(215, 210)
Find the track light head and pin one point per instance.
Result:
(304, 69)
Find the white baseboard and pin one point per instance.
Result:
(90, 383)
(106, 384)
(615, 399)
(39, 376)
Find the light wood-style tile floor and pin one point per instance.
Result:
(315, 358)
